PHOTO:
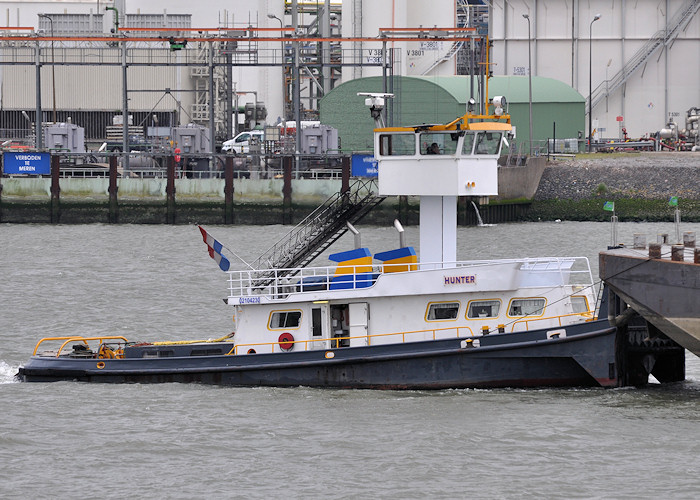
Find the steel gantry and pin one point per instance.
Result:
(207, 51)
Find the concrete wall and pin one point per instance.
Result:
(562, 37)
(307, 191)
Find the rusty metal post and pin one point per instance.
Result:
(677, 253)
(345, 183)
(654, 250)
(55, 190)
(112, 190)
(170, 191)
(228, 190)
(287, 191)
(689, 239)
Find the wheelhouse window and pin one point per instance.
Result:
(285, 319)
(483, 308)
(442, 311)
(579, 303)
(526, 307)
(468, 144)
(397, 144)
(488, 143)
(433, 143)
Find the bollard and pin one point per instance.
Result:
(640, 241)
(654, 250)
(697, 256)
(689, 239)
(484, 330)
(662, 238)
(677, 253)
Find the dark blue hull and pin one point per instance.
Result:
(584, 357)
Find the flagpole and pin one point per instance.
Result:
(237, 256)
(673, 202)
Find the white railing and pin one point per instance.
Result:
(280, 283)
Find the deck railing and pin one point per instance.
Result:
(280, 283)
(337, 342)
(77, 338)
(528, 322)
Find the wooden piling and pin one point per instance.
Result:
(345, 180)
(113, 216)
(228, 190)
(170, 191)
(55, 190)
(287, 214)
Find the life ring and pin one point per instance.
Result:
(286, 341)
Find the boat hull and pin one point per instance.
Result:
(585, 356)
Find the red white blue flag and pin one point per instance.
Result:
(215, 250)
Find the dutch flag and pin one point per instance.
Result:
(215, 250)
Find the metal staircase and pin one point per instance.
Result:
(662, 37)
(319, 230)
(449, 55)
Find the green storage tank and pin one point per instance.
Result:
(441, 99)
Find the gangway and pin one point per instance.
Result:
(662, 37)
(319, 230)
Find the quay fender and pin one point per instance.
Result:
(664, 292)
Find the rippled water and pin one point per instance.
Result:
(73, 440)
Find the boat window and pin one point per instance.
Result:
(487, 143)
(440, 311)
(526, 307)
(160, 353)
(206, 352)
(316, 329)
(579, 304)
(483, 308)
(468, 144)
(285, 319)
(438, 143)
(397, 144)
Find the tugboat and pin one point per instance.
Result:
(385, 319)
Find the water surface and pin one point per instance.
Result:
(75, 440)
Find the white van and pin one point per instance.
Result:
(241, 143)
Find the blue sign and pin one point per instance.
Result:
(26, 163)
(364, 165)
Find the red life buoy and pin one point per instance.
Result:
(177, 155)
(286, 341)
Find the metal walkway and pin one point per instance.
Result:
(320, 229)
(676, 24)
